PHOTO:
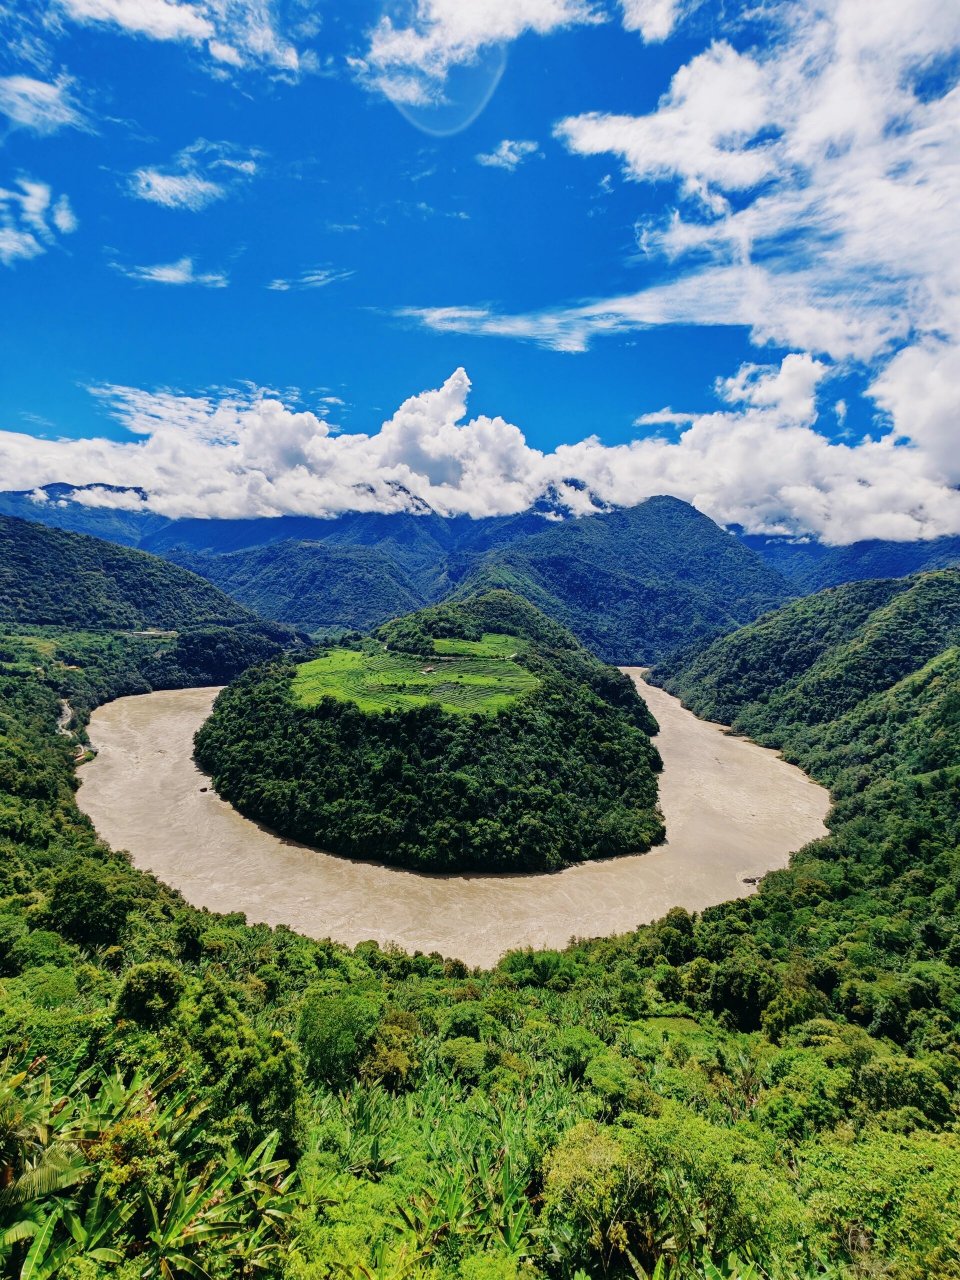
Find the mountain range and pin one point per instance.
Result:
(631, 583)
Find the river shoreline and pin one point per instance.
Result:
(733, 812)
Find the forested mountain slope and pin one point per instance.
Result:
(49, 576)
(317, 586)
(633, 585)
(813, 566)
(819, 658)
(138, 621)
(476, 735)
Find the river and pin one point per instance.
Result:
(733, 811)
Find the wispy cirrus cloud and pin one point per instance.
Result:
(312, 278)
(181, 272)
(508, 154)
(233, 34)
(198, 176)
(175, 190)
(41, 105)
(31, 221)
(410, 61)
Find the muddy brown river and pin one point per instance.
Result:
(733, 810)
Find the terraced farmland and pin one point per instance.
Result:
(464, 677)
(491, 645)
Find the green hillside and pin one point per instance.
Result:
(313, 585)
(474, 736)
(56, 578)
(795, 672)
(633, 585)
(471, 683)
(131, 621)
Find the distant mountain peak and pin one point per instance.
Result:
(569, 499)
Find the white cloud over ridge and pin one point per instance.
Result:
(761, 463)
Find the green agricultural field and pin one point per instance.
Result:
(475, 683)
(490, 646)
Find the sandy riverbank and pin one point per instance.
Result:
(733, 811)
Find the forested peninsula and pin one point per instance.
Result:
(476, 735)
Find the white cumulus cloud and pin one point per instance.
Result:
(812, 196)
(760, 462)
(654, 19)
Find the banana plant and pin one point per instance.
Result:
(89, 1237)
(39, 1156)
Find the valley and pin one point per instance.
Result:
(743, 1040)
(733, 811)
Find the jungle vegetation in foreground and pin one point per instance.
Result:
(477, 735)
(766, 1090)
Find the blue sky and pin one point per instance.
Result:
(234, 234)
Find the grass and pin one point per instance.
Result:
(468, 681)
(491, 646)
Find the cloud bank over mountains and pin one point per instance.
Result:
(759, 463)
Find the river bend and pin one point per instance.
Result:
(733, 811)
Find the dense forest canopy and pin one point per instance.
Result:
(407, 751)
(632, 585)
(316, 586)
(822, 663)
(768, 1090)
(48, 576)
